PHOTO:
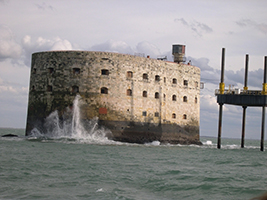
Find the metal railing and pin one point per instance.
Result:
(239, 92)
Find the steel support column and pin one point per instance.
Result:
(243, 126)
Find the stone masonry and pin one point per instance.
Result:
(115, 87)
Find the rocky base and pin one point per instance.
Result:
(141, 133)
(10, 135)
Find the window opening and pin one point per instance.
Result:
(129, 92)
(49, 88)
(104, 90)
(174, 81)
(173, 115)
(144, 113)
(184, 116)
(156, 95)
(174, 97)
(144, 93)
(156, 114)
(34, 71)
(157, 78)
(75, 89)
(185, 82)
(195, 99)
(104, 72)
(145, 76)
(129, 74)
(185, 99)
(50, 70)
(76, 70)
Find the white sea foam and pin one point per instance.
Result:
(72, 127)
(208, 142)
(154, 143)
(100, 190)
(231, 146)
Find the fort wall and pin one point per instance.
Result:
(116, 87)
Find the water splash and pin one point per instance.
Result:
(154, 143)
(208, 142)
(77, 129)
(72, 126)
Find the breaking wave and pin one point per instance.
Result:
(72, 127)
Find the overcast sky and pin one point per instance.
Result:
(139, 26)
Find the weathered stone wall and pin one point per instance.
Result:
(57, 76)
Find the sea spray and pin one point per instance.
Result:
(71, 125)
(77, 129)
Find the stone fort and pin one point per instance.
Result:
(139, 99)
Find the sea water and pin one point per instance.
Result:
(69, 161)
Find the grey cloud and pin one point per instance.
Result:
(42, 44)
(255, 77)
(9, 48)
(197, 27)
(204, 27)
(202, 63)
(13, 103)
(44, 6)
(243, 22)
(262, 27)
(182, 21)
(208, 74)
(211, 75)
(232, 77)
(148, 49)
(144, 48)
(113, 46)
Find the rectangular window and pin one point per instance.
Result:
(50, 70)
(76, 70)
(145, 76)
(104, 90)
(129, 92)
(49, 88)
(75, 89)
(129, 74)
(104, 72)
(144, 113)
(144, 93)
